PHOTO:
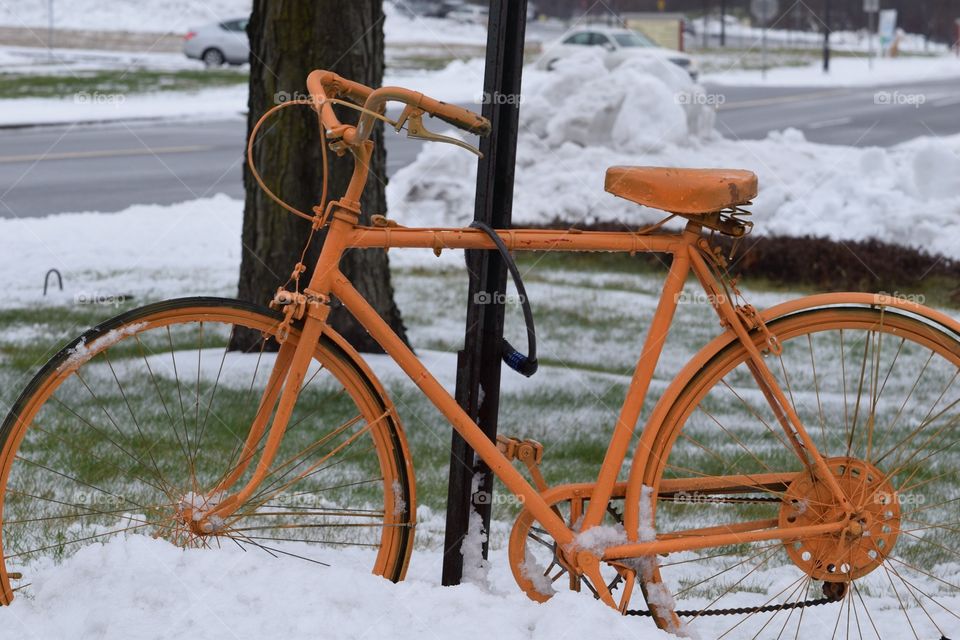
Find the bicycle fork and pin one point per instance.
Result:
(286, 379)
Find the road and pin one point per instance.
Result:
(47, 170)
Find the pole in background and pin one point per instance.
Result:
(50, 29)
(870, 7)
(723, 23)
(764, 10)
(826, 37)
(706, 10)
(478, 365)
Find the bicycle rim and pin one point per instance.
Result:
(138, 421)
(878, 393)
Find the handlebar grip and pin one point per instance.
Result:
(457, 116)
(338, 85)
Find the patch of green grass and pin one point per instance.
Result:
(88, 85)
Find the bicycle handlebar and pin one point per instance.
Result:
(326, 84)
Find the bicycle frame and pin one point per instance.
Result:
(687, 250)
(683, 247)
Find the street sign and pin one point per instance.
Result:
(764, 10)
(871, 6)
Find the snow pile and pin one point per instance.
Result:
(577, 122)
(130, 588)
(176, 16)
(122, 15)
(402, 29)
(159, 251)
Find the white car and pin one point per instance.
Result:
(218, 43)
(469, 13)
(620, 45)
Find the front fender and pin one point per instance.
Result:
(638, 469)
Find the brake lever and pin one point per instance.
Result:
(413, 118)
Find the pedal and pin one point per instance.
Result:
(530, 452)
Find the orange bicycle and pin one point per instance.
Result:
(799, 474)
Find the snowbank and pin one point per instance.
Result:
(583, 119)
(150, 251)
(176, 16)
(132, 588)
(122, 15)
(95, 106)
(845, 72)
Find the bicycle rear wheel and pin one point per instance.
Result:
(877, 391)
(138, 421)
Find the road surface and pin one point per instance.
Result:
(48, 170)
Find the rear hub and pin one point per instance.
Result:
(871, 530)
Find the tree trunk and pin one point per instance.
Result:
(289, 39)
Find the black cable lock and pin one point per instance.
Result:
(523, 364)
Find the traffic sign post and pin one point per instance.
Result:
(871, 7)
(764, 10)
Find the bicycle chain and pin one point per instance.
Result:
(736, 611)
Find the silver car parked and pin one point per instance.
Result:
(218, 43)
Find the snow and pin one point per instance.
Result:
(569, 138)
(476, 568)
(844, 72)
(132, 587)
(851, 41)
(122, 15)
(209, 104)
(151, 251)
(83, 351)
(598, 538)
(177, 16)
(460, 81)
(534, 572)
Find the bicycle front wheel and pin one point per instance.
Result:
(877, 391)
(140, 420)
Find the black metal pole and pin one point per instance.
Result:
(826, 37)
(723, 23)
(478, 366)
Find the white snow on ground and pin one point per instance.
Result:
(96, 106)
(177, 16)
(845, 72)
(908, 194)
(460, 81)
(149, 250)
(121, 15)
(855, 41)
(35, 60)
(132, 588)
